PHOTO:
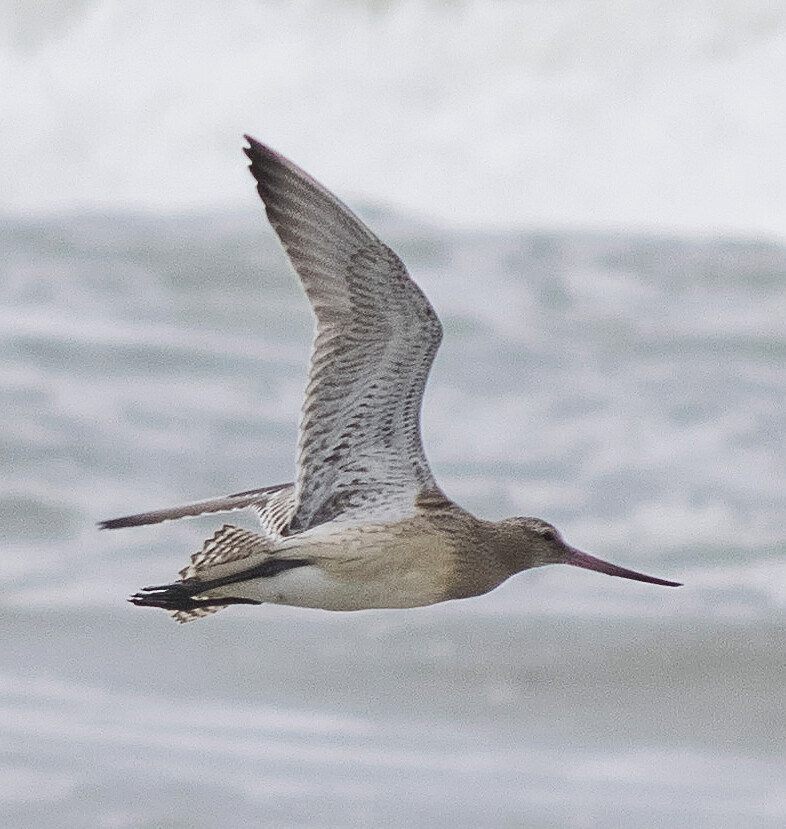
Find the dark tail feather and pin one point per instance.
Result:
(228, 503)
(178, 599)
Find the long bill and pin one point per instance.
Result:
(588, 562)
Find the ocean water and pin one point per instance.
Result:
(604, 245)
(628, 388)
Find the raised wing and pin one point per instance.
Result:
(360, 451)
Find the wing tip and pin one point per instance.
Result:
(264, 161)
(258, 152)
(114, 523)
(253, 147)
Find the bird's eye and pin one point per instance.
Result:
(549, 535)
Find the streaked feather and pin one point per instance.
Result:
(275, 511)
(360, 451)
(227, 545)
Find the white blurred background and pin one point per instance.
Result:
(665, 116)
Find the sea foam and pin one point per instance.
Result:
(578, 113)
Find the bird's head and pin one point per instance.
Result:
(534, 542)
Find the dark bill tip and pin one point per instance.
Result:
(588, 562)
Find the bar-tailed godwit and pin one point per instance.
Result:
(364, 525)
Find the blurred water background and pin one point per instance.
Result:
(593, 197)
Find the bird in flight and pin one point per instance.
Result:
(364, 525)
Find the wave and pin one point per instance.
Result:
(576, 113)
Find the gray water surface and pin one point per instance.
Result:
(628, 388)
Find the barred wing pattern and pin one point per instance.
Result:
(275, 512)
(227, 545)
(360, 450)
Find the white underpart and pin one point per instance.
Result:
(311, 587)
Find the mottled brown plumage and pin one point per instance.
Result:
(364, 524)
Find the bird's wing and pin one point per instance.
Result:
(360, 451)
(273, 504)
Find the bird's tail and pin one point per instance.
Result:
(210, 568)
(178, 598)
(232, 556)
